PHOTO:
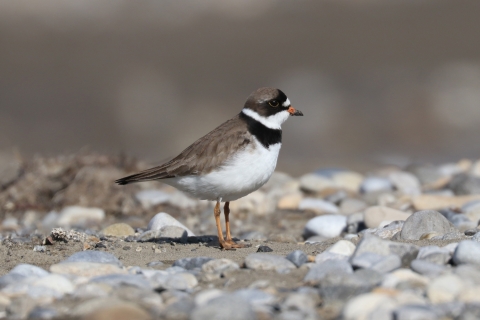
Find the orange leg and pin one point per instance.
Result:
(221, 240)
(226, 212)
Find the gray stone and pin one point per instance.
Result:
(434, 254)
(369, 243)
(320, 271)
(328, 226)
(344, 286)
(220, 266)
(297, 257)
(327, 255)
(427, 268)
(86, 269)
(163, 219)
(253, 235)
(93, 256)
(166, 232)
(470, 272)
(117, 280)
(350, 205)
(375, 184)
(181, 309)
(388, 231)
(422, 222)
(43, 313)
(355, 223)
(265, 261)
(415, 312)
(467, 252)
(315, 239)
(228, 306)
(191, 263)
(405, 182)
(317, 205)
(258, 299)
(476, 237)
(21, 272)
(379, 263)
(465, 184)
(39, 248)
(375, 215)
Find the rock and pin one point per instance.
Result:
(290, 201)
(265, 261)
(253, 235)
(318, 206)
(350, 206)
(93, 256)
(182, 281)
(326, 255)
(80, 216)
(427, 268)
(436, 202)
(39, 248)
(379, 263)
(118, 230)
(315, 183)
(264, 249)
(109, 309)
(467, 252)
(260, 301)
(28, 270)
(422, 222)
(205, 296)
(434, 254)
(152, 197)
(375, 184)
(328, 226)
(375, 215)
(405, 182)
(320, 271)
(166, 232)
(191, 263)
(86, 269)
(297, 257)
(476, 237)
(465, 184)
(405, 279)
(118, 280)
(406, 252)
(415, 312)
(220, 266)
(390, 230)
(55, 282)
(342, 247)
(347, 180)
(362, 306)
(445, 288)
(355, 222)
(163, 219)
(256, 202)
(43, 313)
(315, 239)
(228, 306)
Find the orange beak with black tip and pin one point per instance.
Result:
(294, 112)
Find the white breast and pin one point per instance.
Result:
(244, 173)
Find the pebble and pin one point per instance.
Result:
(80, 216)
(264, 249)
(253, 235)
(55, 282)
(319, 271)
(191, 263)
(405, 182)
(445, 288)
(427, 268)
(350, 205)
(344, 286)
(328, 226)
(315, 183)
(163, 219)
(390, 230)
(347, 180)
(326, 255)
(465, 184)
(342, 247)
(406, 252)
(166, 232)
(379, 263)
(227, 306)
(362, 306)
(415, 312)
(86, 269)
(373, 216)
(434, 254)
(118, 230)
(405, 279)
(39, 248)
(318, 206)
(290, 201)
(119, 280)
(436, 202)
(422, 222)
(265, 261)
(220, 266)
(375, 184)
(476, 237)
(152, 197)
(93, 256)
(467, 252)
(297, 257)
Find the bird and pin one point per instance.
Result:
(231, 161)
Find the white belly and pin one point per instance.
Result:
(242, 174)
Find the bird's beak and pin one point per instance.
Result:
(294, 112)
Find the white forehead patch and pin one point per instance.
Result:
(286, 103)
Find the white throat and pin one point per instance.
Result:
(272, 122)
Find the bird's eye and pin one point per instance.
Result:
(273, 103)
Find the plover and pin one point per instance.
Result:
(233, 160)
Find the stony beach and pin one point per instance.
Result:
(391, 243)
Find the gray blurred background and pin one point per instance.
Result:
(379, 82)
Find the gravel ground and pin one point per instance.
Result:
(394, 243)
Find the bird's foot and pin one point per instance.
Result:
(231, 245)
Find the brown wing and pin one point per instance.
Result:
(205, 154)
